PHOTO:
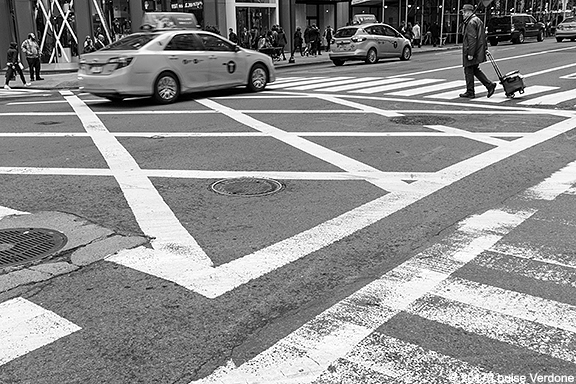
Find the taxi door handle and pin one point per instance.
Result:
(212, 57)
(173, 57)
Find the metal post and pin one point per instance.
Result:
(442, 24)
(457, 21)
(406, 15)
(383, 8)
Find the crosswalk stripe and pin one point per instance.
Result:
(309, 80)
(384, 88)
(25, 326)
(519, 305)
(410, 363)
(429, 89)
(497, 326)
(364, 84)
(524, 267)
(334, 83)
(288, 79)
(500, 97)
(311, 85)
(550, 256)
(553, 99)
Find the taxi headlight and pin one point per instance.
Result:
(120, 62)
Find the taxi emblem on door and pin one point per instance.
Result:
(231, 66)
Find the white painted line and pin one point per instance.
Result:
(318, 83)
(362, 107)
(332, 157)
(288, 79)
(25, 326)
(410, 363)
(521, 266)
(497, 325)
(307, 352)
(309, 80)
(516, 304)
(474, 136)
(450, 95)
(553, 99)
(43, 134)
(334, 83)
(5, 211)
(429, 89)
(153, 215)
(37, 114)
(553, 186)
(528, 91)
(389, 87)
(542, 255)
(55, 171)
(364, 84)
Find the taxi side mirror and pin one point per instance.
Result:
(236, 48)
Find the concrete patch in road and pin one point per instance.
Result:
(87, 243)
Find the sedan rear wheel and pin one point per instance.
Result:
(166, 88)
(258, 78)
(520, 38)
(406, 53)
(372, 56)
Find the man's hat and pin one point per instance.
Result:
(468, 7)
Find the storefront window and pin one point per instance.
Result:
(56, 26)
(258, 19)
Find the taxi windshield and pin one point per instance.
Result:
(131, 42)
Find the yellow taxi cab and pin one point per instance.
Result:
(171, 57)
(566, 29)
(368, 40)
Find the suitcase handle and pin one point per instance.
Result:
(496, 69)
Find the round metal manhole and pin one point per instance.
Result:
(24, 245)
(422, 120)
(246, 186)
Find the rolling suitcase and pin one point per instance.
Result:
(512, 82)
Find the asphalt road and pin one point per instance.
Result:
(417, 237)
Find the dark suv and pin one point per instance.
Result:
(515, 28)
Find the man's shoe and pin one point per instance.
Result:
(39, 78)
(467, 95)
(27, 84)
(7, 87)
(491, 89)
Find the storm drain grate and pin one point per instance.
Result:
(24, 245)
(246, 186)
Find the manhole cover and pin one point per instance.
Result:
(23, 245)
(246, 186)
(422, 120)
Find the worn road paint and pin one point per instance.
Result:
(25, 326)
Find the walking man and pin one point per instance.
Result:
(474, 52)
(32, 50)
(417, 34)
(14, 65)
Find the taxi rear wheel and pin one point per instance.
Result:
(406, 53)
(338, 62)
(372, 56)
(166, 88)
(258, 78)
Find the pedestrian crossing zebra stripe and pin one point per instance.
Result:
(495, 325)
(393, 86)
(408, 362)
(307, 353)
(550, 257)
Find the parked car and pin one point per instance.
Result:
(566, 29)
(369, 42)
(168, 61)
(516, 28)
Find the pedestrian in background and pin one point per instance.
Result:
(297, 42)
(99, 43)
(417, 34)
(245, 38)
(307, 40)
(14, 65)
(88, 45)
(282, 41)
(328, 34)
(435, 32)
(32, 50)
(232, 36)
(474, 52)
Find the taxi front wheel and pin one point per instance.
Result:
(258, 78)
(166, 88)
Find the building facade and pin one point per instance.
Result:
(61, 26)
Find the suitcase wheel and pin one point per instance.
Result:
(521, 91)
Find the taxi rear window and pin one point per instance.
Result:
(346, 32)
(131, 42)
